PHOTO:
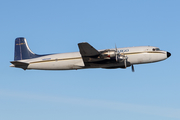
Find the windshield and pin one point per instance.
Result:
(155, 49)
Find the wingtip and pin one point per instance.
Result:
(11, 65)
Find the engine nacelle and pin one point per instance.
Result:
(109, 53)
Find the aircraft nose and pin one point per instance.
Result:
(168, 54)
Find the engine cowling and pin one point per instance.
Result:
(109, 53)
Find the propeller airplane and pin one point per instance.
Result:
(87, 57)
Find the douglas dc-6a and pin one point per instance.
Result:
(87, 57)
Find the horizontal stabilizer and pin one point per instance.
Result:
(87, 50)
(20, 64)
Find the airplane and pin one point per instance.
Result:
(87, 57)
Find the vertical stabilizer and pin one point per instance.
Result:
(22, 50)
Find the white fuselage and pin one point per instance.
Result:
(68, 61)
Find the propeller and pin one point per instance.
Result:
(124, 57)
(132, 68)
(117, 54)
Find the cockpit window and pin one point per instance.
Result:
(155, 49)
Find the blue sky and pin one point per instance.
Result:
(57, 26)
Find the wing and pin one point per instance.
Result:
(89, 54)
(87, 50)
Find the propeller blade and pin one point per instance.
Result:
(116, 53)
(125, 63)
(115, 47)
(116, 58)
(132, 68)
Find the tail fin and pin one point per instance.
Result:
(22, 50)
